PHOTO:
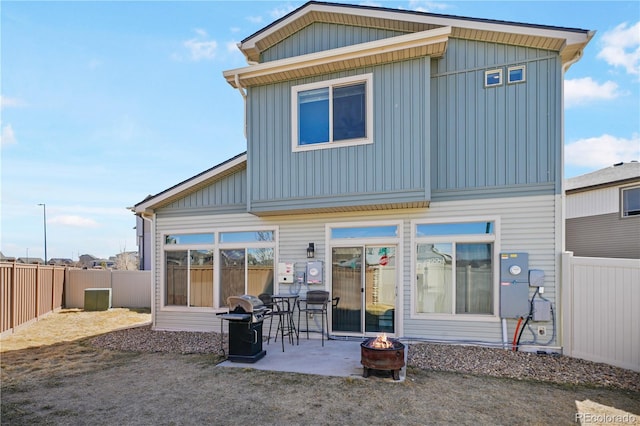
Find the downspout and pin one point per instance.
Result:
(243, 93)
(562, 218)
(153, 267)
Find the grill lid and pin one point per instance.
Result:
(245, 303)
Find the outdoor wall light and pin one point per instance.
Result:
(311, 250)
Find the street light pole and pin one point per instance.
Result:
(44, 211)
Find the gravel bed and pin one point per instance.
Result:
(428, 356)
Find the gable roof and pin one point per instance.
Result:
(194, 183)
(568, 41)
(618, 174)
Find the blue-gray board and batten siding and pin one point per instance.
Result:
(479, 142)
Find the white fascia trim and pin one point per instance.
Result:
(355, 51)
(149, 204)
(572, 37)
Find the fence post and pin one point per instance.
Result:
(565, 316)
(38, 283)
(14, 298)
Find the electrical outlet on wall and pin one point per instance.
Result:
(542, 330)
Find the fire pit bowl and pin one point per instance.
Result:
(380, 353)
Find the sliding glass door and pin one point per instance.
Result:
(364, 278)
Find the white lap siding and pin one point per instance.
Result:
(525, 224)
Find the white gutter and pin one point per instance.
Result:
(243, 92)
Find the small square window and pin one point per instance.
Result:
(516, 74)
(493, 78)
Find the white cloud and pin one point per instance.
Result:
(279, 12)
(232, 46)
(6, 102)
(74, 221)
(602, 151)
(8, 137)
(580, 91)
(621, 47)
(200, 47)
(427, 6)
(370, 3)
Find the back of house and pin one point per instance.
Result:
(409, 163)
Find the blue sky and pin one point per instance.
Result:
(104, 103)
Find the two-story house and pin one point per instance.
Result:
(603, 212)
(394, 158)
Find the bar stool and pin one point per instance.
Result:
(315, 302)
(283, 309)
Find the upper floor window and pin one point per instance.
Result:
(332, 113)
(631, 201)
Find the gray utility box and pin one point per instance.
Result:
(541, 310)
(97, 299)
(514, 285)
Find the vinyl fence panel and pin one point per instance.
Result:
(601, 319)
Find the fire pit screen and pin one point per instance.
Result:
(381, 353)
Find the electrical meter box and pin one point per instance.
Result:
(514, 267)
(514, 285)
(285, 273)
(314, 272)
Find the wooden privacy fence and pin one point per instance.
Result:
(600, 314)
(28, 292)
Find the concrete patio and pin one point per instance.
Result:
(340, 358)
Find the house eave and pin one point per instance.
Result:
(567, 41)
(425, 43)
(201, 180)
(341, 209)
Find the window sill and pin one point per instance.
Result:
(192, 309)
(454, 317)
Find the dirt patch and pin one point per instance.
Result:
(77, 383)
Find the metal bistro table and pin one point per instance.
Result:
(285, 305)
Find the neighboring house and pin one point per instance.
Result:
(603, 212)
(60, 261)
(30, 260)
(4, 258)
(143, 238)
(408, 154)
(87, 260)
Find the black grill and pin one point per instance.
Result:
(246, 315)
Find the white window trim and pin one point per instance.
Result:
(367, 79)
(179, 247)
(216, 247)
(493, 238)
(524, 74)
(329, 243)
(622, 191)
(493, 71)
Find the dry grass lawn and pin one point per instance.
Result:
(51, 374)
(72, 324)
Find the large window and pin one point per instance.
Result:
(332, 113)
(630, 201)
(245, 265)
(189, 270)
(454, 268)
